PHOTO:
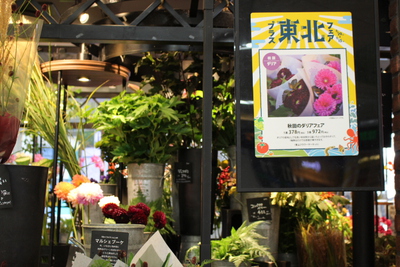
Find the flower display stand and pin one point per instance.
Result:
(21, 222)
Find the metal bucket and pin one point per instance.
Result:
(146, 178)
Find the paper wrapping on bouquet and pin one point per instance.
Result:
(19, 52)
(291, 63)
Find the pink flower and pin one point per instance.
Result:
(37, 158)
(98, 162)
(335, 65)
(81, 162)
(325, 105)
(325, 78)
(12, 158)
(89, 193)
(336, 92)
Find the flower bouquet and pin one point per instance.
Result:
(19, 36)
(78, 193)
(133, 214)
(324, 77)
(310, 87)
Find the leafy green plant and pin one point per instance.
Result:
(181, 74)
(241, 246)
(140, 128)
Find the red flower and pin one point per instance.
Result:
(44, 7)
(137, 216)
(108, 210)
(143, 207)
(120, 216)
(160, 220)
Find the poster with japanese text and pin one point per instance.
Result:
(303, 84)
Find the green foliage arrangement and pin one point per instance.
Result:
(181, 74)
(241, 246)
(40, 108)
(140, 128)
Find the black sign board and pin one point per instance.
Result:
(259, 209)
(5, 189)
(108, 244)
(183, 172)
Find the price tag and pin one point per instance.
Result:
(259, 209)
(109, 245)
(5, 188)
(183, 172)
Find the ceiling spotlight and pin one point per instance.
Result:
(84, 79)
(84, 17)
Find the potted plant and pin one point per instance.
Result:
(238, 249)
(143, 132)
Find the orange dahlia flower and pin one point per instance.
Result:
(62, 190)
(78, 179)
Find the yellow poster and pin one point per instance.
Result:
(303, 84)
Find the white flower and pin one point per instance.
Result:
(108, 199)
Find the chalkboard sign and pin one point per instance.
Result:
(5, 189)
(183, 172)
(109, 245)
(259, 209)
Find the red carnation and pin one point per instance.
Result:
(120, 216)
(143, 207)
(160, 220)
(108, 210)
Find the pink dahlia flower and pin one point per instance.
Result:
(325, 78)
(335, 65)
(336, 92)
(325, 105)
(89, 193)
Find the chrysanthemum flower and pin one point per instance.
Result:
(78, 179)
(108, 210)
(336, 92)
(325, 105)
(62, 190)
(160, 220)
(89, 193)
(325, 78)
(109, 199)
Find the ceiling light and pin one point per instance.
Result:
(84, 79)
(84, 17)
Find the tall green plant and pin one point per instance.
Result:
(41, 111)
